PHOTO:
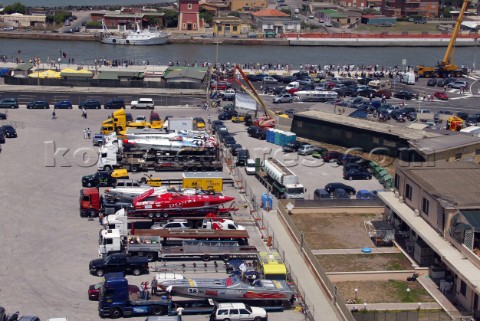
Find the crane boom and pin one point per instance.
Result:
(448, 58)
(252, 92)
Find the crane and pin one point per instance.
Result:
(268, 120)
(446, 66)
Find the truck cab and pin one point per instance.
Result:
(115, 300)
(89, 202)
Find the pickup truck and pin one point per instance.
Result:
(119, 262)
(143, 103)
(99, 179)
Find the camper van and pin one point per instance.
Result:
(408, 78)
(380, 84)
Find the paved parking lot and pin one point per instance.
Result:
(46, 245)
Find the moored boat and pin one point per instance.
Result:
(137, 37)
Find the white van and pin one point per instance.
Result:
(238, 311)
(296, 11)
(408, 78)
(380, 84)
(292, 85)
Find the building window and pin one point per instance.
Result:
(397, 181)
(458, 156)
(477, 152)
(463, 288)
(408, 192)
(425, 205)
(219, 28)
(235, 28)
(184, 26)
(190, 6)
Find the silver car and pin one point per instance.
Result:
(269, 80)
(306, 150)
(284, 98)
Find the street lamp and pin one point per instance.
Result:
(408, 292)
(419, 306)
(216, 54)
(365, 306)
(356, 295)
(475, 55)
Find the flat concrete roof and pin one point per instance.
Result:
(442, 143)
(402, 132)
(450, 255)
(454, 182)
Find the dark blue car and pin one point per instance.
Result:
(365, 195)
(64, 104)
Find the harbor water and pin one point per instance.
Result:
(85, 52)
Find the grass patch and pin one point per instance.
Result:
(400, 27)
(391, 291)
(364, 262)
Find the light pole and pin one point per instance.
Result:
(216, 54)
(356, 295)
(408, 293)
(475, 55)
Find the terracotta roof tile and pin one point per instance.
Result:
(269, 13)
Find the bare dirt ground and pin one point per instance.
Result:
(335, 231)
(384, 292)
(364, 262)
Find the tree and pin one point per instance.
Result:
(206, 15)
(171, 18)
(17, 7)
(152, 20)
(287, 11)
(61, 16)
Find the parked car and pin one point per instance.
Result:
(367, 92)
(9, 103)
(432, 82)
(383, 92)
(459, 84)
(2, 137)
(440, 95)
(348, 158)
(269, 80)
(115, 103)
(365, 195)
(360, 166)
(331, 156)
(340, 193)
(250, 167)
(331, 187)
(472, 121)
(462, 115)
(220, 85)
(177, 224)
(321, 193)
(306, 149)
(403, 94)
(227, 115)
(318, 152)
(63, 104)
(3, 116)
(357, 174)
(38, 104)
(9, 131)
(238, 311)
(257, 132)
(441, 83)
(292, 147)
(98, 140)
(284, 98)
(94, 291)
(229, 141)
(90, 104)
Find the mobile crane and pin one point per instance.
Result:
(268, 120)
(446, 66)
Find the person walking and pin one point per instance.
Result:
(83, 112)
(145, 290)
(84, 133)
(89, 132)
(180, 312)
(153, 285)
(54, 115)
(142, 290)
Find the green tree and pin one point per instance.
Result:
(171, 18)
(234, 14)
(152, 21)
(94, 24)
(61, 16)
(206, 15)
(286, 10)
(17, 7)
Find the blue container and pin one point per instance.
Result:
(270, 135)
(269, 202)
(264, 200)
(291, 137)
(277, 137)
(282, 138)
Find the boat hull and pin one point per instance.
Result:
(135, 42)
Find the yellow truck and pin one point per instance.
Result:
(203, 180)
(152, 181)
(272, 266)
(117, 122)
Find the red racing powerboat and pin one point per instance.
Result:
(178, 201)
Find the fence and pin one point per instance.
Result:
(101, 83)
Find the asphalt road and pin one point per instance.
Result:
(46, 245)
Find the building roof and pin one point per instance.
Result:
(24, 67)
(139, 15)
(455, 183)
(269, 13)
(400, 131)
(442, 143)
(113, 75)
(453, 257)
(185, 72)
(332, 13)
(473, 217)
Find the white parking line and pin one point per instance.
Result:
(462, 97)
